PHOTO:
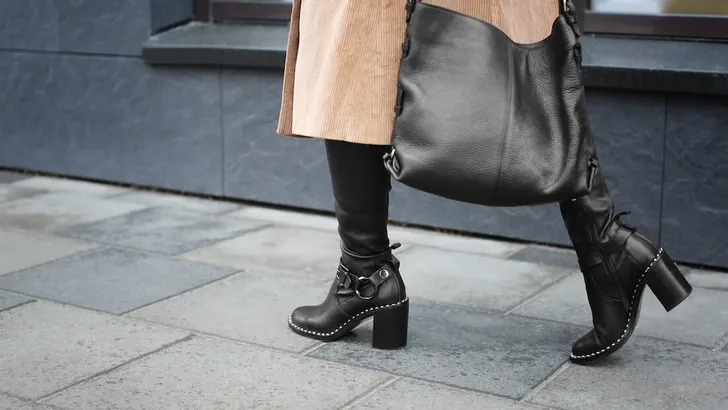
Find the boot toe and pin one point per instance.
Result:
(312, 321)
(301, 316)
(587, 346)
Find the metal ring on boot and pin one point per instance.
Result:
(358, 283)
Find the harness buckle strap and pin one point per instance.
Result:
(360, 283)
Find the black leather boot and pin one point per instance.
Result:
(368, 282)
(372, 287)
(617, 264)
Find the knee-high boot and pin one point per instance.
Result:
(617, 263)
(367, 282)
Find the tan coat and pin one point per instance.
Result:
(340, 76)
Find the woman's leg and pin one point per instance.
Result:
(616, 263)
(367, 281)
(361, 187)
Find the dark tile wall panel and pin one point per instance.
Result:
(536, 223)
(629, 129)
(104, 27)
(259, 164)
(29, 117)
(29, 25)
(169, 12)
(114, 119)
(696, 180)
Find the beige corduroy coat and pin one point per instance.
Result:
(340, 77)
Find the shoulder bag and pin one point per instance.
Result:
(485, 120)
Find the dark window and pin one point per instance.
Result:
(235, 10)
(707, 19)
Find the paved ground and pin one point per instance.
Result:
(119, 299)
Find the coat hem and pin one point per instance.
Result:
(300, 135)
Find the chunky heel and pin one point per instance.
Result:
(667, 282)
(390, 327)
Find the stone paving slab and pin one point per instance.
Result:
(294, 249)
(190, 203)
(648, 375)
(701, 319)
(707, 279)
(9, 192)
(248, 307)
(281, 217)
(473, 280)
(550, 257)
(112, 280)
(506, 356)
(211, 374)
(406, 394)
(163, 230)
(7, 176)
(26, 249)
(60, 209)
(9, 403)
(409, 236)
(70, 186)
(45, 347)
(10, 300)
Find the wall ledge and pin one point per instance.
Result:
(226, 45)
(609, 62)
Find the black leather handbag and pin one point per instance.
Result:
(484, 120)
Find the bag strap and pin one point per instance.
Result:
(568, 10)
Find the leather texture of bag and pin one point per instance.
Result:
(484, 120)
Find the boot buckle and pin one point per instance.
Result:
(357, 284)
(376, 280)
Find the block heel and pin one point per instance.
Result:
(390, 327)
(667, 282)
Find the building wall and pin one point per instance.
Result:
(78, 100)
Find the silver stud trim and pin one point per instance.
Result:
(290, 320)
(629, 313)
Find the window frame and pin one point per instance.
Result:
(687, 26)
(232, 10)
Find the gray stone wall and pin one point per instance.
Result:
(77, 100)
(110, 28)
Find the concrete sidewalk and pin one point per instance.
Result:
(118, 299)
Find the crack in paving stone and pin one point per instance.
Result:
(110, 370)
(226, 339)
(535, 294)
(721, 343)
(310, 349)
(399, 376)
(27, 302)
(99, 248)
(213, 282)
(528, 396)
(374, 390)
